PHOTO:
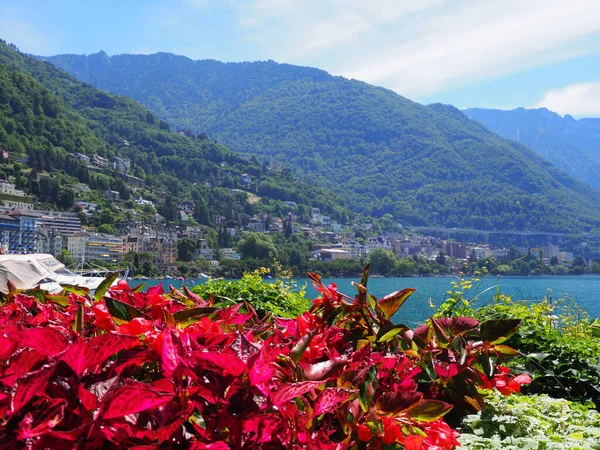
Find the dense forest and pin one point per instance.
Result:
(47, 115)
(568, 143)
(384, 153)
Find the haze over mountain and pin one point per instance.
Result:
(571, 144)
(384, 153)
(46, 116)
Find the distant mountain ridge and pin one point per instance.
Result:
(47, 116)
(384, 153)
(571, 144)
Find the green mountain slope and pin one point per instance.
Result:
(382, 152)
(573, 145)
(47, 115)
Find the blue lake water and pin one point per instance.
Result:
(584, 289)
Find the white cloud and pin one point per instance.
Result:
(14, 29)
(421, 47)
(582, 99)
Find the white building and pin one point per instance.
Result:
(87, 246)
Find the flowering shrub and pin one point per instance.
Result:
(127, 369)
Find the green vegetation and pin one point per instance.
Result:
(521, 422)
(559, 346)
(277, 298)
(46, 116)
(382, 152)
(566, 142)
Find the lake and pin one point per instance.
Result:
(584, 289)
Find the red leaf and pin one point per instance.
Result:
(395, 402)
(330, 399)
(30, 385)
(87, 399)
(229, 364)
(169, 358)
(195, 297)
(133, 399)
(323, 369)
(165, 432)
(21, 365)
(47, 341)
(134, 357)
(86, 354)
(7, 347)
(261, 429)
(287, 392)
(44, 421)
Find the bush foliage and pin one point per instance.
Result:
(521, 422)
(127, 369)
(278, 298)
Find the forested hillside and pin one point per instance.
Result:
(47, 115)
(382, 152)
(571, 144)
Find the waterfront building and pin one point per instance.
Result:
(18, 231)
(13, 198)
(88, 246)
(330, 254)
(61, 223)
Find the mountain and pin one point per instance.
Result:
(568, 143)
(46, 116)
(384, 153)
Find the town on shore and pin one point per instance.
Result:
(151, 246)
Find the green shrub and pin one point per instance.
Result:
(558, 344)
(277, 297)
(531, 422)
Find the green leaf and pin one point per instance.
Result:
(498, 331)
(138, 288)
(78, 290)
(122, 310)
(78, 324)
(365, 276)
(392, 302)
(367, 393)
(506, 350)
(429, 410)
(388, 336)
(61, 300)
(103, 287)
(185, 314)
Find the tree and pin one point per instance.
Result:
(382, 261)
(107, 229)
(441, 258)
(65, 257)
(257, 245)
(65, 198)
(185, 249)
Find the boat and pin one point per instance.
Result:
(43, 270)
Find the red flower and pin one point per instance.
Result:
(103, 318)
(507, 384)
(136, 327)
(440, 437)
(391, 430)
(364, 433)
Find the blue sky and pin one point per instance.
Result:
(487, 53)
